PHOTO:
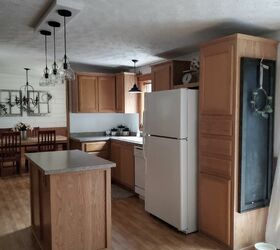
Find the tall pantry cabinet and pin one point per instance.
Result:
(219, 140)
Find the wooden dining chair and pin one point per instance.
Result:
(46, 140)
(33, 148)
(33, 132)
(10, 151)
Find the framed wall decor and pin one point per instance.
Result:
(41, 107)
(9, 102)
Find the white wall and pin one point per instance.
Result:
(57, 117)
(276, 36)
(101, 122)
(146, 69)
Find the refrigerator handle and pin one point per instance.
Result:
(144, 145)
(144, 121)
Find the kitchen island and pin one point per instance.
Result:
(70, 200)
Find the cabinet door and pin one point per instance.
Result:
(161, 77)
(35, 200)
(120, 93)
(116, 157)
(127, 166)
(107, 93)
(88, 94)
(215, 207)
(216, 79)
(131, 100)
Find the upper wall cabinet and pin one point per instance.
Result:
(107, 93)
(217, 64)
(126, 102)
(92, 93)
(87, 94)
(168, 74)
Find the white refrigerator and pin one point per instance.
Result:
(170, 151)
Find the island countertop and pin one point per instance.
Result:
(67, 161)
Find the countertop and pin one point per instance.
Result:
(67, 161)
(130, 139)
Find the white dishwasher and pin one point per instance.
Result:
(139, 171)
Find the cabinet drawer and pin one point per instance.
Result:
(96, 146)
(216, 126)
(101, 154)
(215, 166)
(216, 146)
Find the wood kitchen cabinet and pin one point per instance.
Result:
(126, 102)
(219, 133)
(168, 74)
(98, 148)
(87, 94)
(70, 209)
(107, 94)
(122, 154)
(93, 93)
(103, 93)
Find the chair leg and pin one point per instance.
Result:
(26, 165)
(18, 167)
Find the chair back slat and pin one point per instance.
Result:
(10, 144)
(33, 132)
(46, 140)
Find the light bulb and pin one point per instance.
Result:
(65, 70)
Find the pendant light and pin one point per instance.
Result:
(135, 89)
(54, 76)
(45, 80)
(65, 70)
(28, 101)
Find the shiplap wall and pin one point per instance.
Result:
(57, 117)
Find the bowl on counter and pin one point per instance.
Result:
(264, 246)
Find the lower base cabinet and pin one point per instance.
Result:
(215, 207)
(98, 148)
(58, 223)
(122, 154)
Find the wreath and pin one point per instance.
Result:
(261, 102)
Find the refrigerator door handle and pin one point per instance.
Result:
(144, 146)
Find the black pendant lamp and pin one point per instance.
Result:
(65, 70)
(134, 89)
(45, 80)
(54, 76)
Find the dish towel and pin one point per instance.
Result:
(273, 222)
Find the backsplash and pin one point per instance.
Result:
(102, 122)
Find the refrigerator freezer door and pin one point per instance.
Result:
(166, 175)
(166, 113)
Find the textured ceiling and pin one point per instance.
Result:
(112, 32)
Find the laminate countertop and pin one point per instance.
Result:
(130, 139)
(67, 161)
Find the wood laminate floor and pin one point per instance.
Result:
(133, 228)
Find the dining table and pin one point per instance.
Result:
(33, 141)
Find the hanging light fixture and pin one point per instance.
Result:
(55, 77)
(29, 100)
(45, 80)
(135, 89)
(65, 70)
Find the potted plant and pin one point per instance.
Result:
(22, 128)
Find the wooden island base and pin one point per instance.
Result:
(71, 211)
